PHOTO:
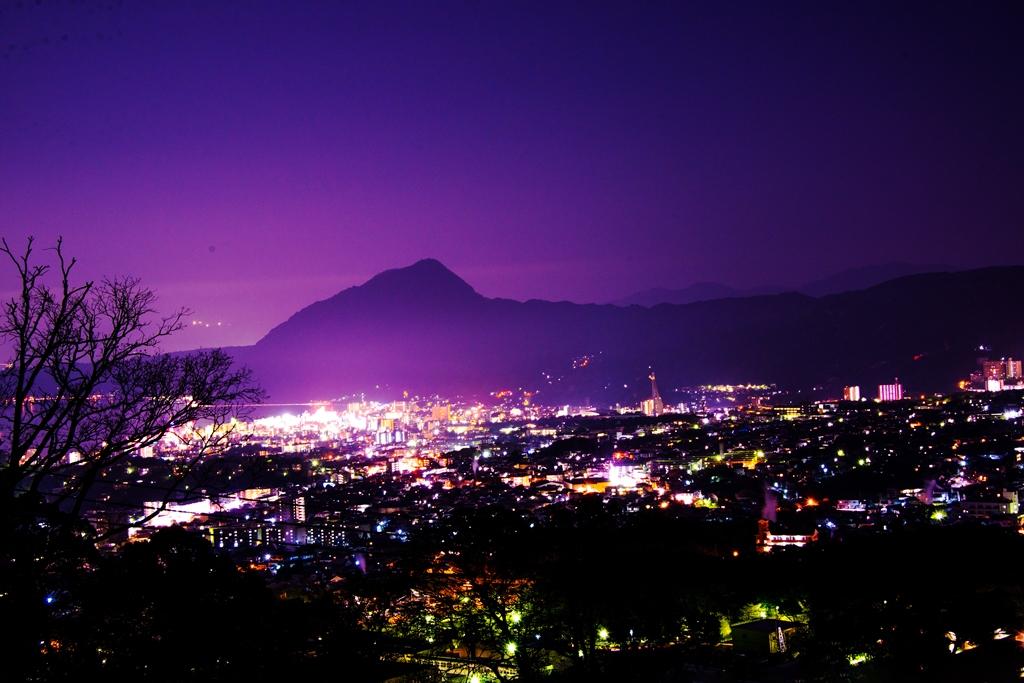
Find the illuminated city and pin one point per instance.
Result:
(511, 342)
(324, 496)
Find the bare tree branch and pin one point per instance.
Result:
(87, 384)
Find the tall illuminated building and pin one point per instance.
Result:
(653, 406)
(1013, 369)
(851, 393)
(993, 369)
(299, 509)
(890, 392)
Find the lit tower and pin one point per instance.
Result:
(654, 405)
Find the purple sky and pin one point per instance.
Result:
(246, 158)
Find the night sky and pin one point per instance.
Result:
(246, 158)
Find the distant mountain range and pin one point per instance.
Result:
(845, 281)
(425, 330)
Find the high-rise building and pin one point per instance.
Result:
(653, 406)
(235, 536)
(299, 509)
(851, 393)
(1013, 369)
(993, 369)
(890, 392)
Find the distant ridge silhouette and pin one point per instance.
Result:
(423, 329)
(844, 281)
(698, 291)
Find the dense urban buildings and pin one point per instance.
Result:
(996, 375)
(327, 497)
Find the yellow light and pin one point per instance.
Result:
(858, 659)
(510, 648)
(602, 633)
(515, 617)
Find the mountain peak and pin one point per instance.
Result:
(426, 278)
(425, 272)
(424, 286)
(430, 266)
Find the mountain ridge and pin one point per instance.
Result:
(844, 281)
(424, 329)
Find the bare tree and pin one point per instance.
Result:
(87, 384)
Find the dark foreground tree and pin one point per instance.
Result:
(86, 386)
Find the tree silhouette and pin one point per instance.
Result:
(86, 384)
(85, 387)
